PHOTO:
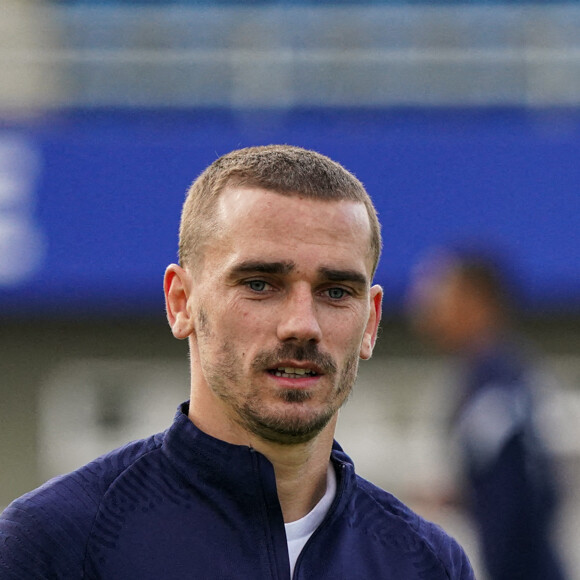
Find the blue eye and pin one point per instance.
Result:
(257, 285)
(336, 293)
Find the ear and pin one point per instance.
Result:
(177, 288)
(372, 328)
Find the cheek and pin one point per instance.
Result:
(254, 314)
(345, 333)
(246, 328)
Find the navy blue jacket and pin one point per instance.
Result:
(182, 504)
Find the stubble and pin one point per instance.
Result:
(292, 422)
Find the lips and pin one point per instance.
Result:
(293, 372)
(295, 361)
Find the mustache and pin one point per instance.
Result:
(308, 352)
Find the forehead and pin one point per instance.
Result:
(268, 222)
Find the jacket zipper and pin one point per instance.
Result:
(271, 547)
(337, 500)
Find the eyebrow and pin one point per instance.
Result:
(261, 267)
(281, 268)
(343, 275)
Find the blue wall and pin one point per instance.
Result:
(98, 194)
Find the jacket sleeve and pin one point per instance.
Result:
(25, 548)
(43, 534)
(451, 554)
(459, 565)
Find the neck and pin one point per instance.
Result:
(301, 473)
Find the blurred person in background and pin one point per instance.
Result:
(274, 293)
(461, 301)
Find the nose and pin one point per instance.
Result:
(298, 319)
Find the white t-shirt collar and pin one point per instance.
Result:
(299, 531)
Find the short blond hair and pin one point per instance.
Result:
(283, 169)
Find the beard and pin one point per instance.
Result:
(288, 427)
(294, 422)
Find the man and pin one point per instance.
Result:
(461, 302)
(278, 246)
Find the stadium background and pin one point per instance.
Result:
(462, 118)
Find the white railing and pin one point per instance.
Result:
(283, 56)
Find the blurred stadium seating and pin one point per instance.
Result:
(270, 54)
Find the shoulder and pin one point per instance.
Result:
(425, 542)
(47, 529)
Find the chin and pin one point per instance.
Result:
(290, 427)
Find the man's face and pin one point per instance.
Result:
(282, 310)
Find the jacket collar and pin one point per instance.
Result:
(197, 455)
